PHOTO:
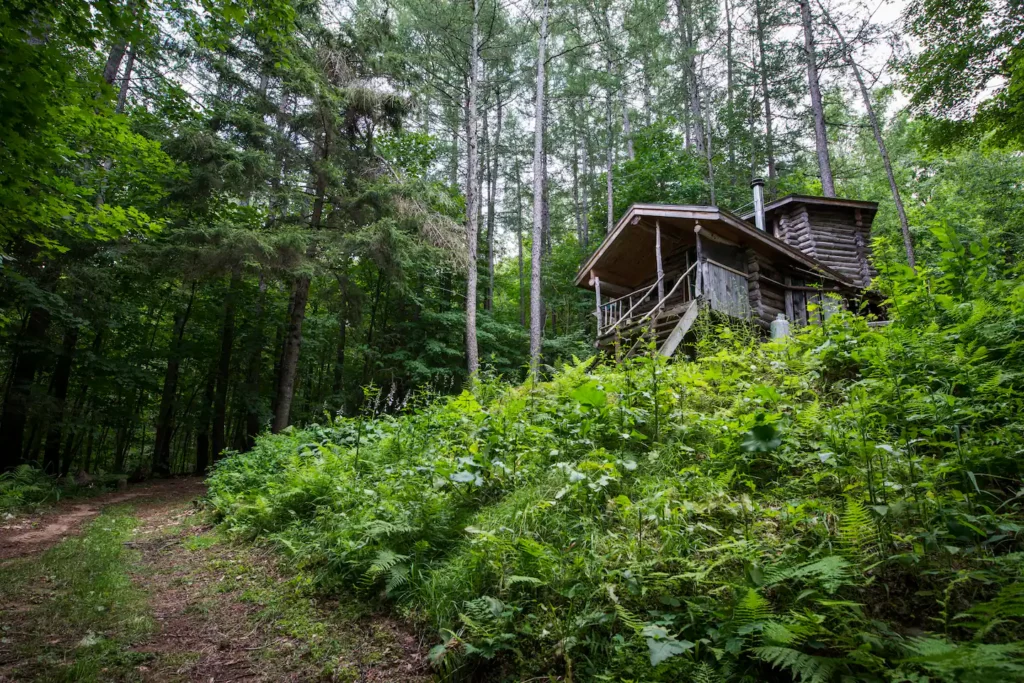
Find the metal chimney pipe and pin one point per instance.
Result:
(758, 185)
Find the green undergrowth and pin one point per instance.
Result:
(78, 606)
(844, 505)
(27, 488)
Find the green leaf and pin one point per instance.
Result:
(661, 645)
(761, 439)
(589, 395)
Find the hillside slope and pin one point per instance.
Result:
(844, 505)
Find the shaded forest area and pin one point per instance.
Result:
(222, 218)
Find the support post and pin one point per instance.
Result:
(657, 255)
(597, 291)
(790, 313)
(698, 288)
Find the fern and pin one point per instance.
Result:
(856, 533)
(829, 572)
(780, 634)
(705, 673)
(969, 661)
(389, 563)
(804, 667)
(629, 619)
(752, 608)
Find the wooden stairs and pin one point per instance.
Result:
(666, 328)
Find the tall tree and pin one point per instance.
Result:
(536, 307)
(817, 107)
(876, 129)
(472, 194)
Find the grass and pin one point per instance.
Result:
(78, 607)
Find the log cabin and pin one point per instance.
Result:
(798, 258)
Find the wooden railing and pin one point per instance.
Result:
(611, 317)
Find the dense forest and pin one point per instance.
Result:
(325, 252)
(220, 218)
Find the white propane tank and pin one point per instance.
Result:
(780, 327)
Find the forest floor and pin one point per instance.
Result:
(138, 585)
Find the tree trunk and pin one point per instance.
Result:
(290, 353)
(586, 195)
(610, 223)
(227, 340)
(126, 80)
(113, 65)
(492, 193)
(472, 196)
(165, 418)
(577, 211)
(729, 111)
(27, 358)
(817, 108)
(338, 384)
(684, 10)
(203, 431)
(627, 129)
(876, 128)
(297, 311)
(253, 421)
(769, 141)
(708, 152)
(536, 319)
(59, 392)
(519, 240)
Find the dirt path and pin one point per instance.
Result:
(194, 605)
(29, 534)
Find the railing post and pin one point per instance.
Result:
(657, 256)
(699, 277)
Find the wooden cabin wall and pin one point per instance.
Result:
(772, 296)
(841, 243)
(839, 237)
(793, 226)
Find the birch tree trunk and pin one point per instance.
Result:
(611, 158)
(627, 129)
(536, 312)
(492, 193)
(769, 141)
(586, 194)
(684, 10)
(817, 108)
(908, 242)
(577, 212)
(519, 239)
(472, 196)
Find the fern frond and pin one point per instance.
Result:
(629, 619)
(856, 532)
(968, 661)
(830, 572)
(752, 608)
(705, 673)
(384, 561)
(778, 634)
(806, 668)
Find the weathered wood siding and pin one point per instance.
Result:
(726, 291)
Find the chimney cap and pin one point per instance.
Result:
(757, 181)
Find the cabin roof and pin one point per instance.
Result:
(626, 257)
(820, 201)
